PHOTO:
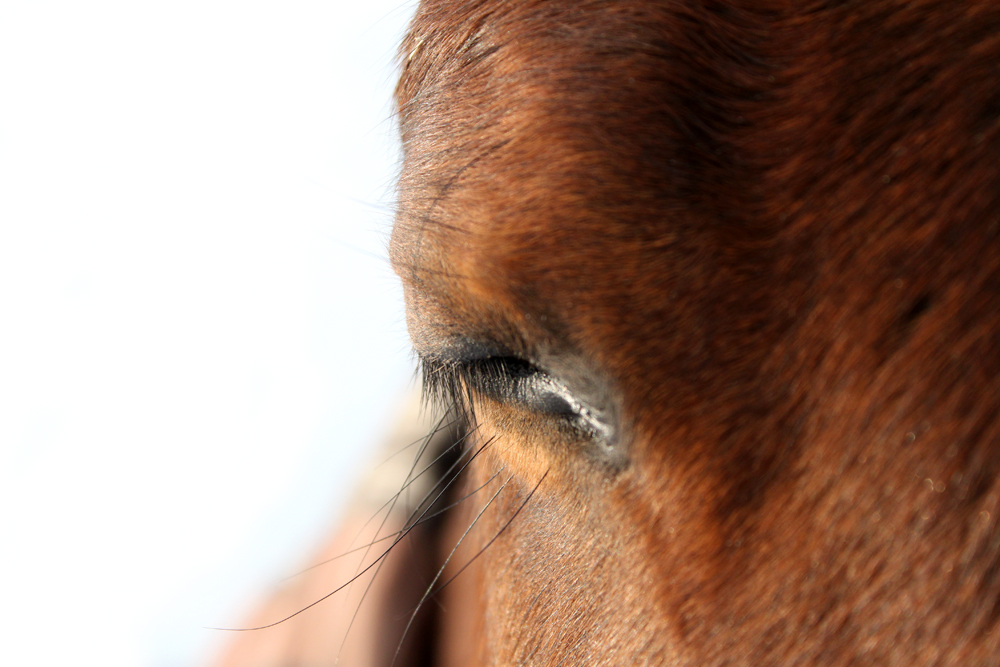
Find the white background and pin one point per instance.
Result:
(200, 338)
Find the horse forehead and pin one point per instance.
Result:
(518, 155)
(508, 222)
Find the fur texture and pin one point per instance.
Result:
(760, 240)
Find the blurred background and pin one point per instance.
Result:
(201, 340)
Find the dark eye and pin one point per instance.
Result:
(517, 383)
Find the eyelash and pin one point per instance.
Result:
(450, 382)
(509, 381)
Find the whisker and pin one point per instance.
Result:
(391, 503)
(447, 560)
(412, 526)
(410, 478)
(409, 528)
(430, 465)
(410, 481)
(345, 584)
(391, 500)
(406, 485)
(398, 532)
(421, 439)
(494, 538)
(316, 602)
(445, 475)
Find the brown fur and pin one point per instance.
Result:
(764, 235)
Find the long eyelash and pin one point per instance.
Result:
(375, 563)
(432, 590)
(410, 522)
(393, 535)
(444, 565)
(449, 382)
(442, 384)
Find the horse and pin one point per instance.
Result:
(708, 292)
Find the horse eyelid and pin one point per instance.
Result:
(506, 379)
(512, 380)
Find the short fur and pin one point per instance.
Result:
(764, 235)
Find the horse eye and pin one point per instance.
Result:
(513, 380)
(519, 383)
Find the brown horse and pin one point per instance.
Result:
(715, 286)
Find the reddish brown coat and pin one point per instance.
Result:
(764, 235)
